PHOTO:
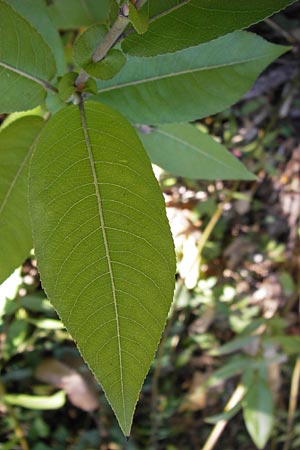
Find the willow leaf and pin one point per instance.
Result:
(35, 12)
(16, 144)
(103, 245)
(26, 63)
(189, 84)
(185, 151)
(196, 22)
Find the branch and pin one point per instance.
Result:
(115, 32)
(111, 38)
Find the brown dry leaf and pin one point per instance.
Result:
(80, 394)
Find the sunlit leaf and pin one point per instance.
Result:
(103, 245)
(189, 84)
(195, 22)
(26, 62)
(185, 151)
(54, 401)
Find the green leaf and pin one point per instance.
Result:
(54, 401)
(27, 63)
(16, 143)
(258, 409)
(290, 344)
(226, 415)
(185, 151)
(189, 84)
(233, 367)
(66, 86)
(68, 14)
(47, 324)
(90, 86)
(103, 245)
(238, 343)
(199, 21)
(139, 19)
(84, 47)
(108, 67)
(35, 12)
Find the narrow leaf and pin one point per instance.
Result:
(258, 411)
(16, 144)
(226, 415)
(189, 84)
(238, 343)
(185, 151)
(26, 63)
(35, 12)
(54, 401)
(103, 245)
(196, 22)
(68, 14)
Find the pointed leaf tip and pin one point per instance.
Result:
(103, 245)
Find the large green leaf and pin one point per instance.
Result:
(103, 245)
(26, 63)
(68, 14)
(189, 84)
(258, 409)
(16, 144)
(185, 151)
(35, 12)
(198, 21)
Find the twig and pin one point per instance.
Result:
(213, 221)
(115, 31)
(218, 429)
(293, 403)
(17, 427)
(286, 34)
(110, 39)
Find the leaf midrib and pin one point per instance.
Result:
(44, 83)
(192, 147)
(179, 73)
(102, 224)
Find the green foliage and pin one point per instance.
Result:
(86, 45)
(258, 408)
(35, 12)
(190, 153)
(16, 145)
(69, 14)
(189, 84)
(100, 232)
(139, 19)
(195, 22)
(26, 60)
(103, 245)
